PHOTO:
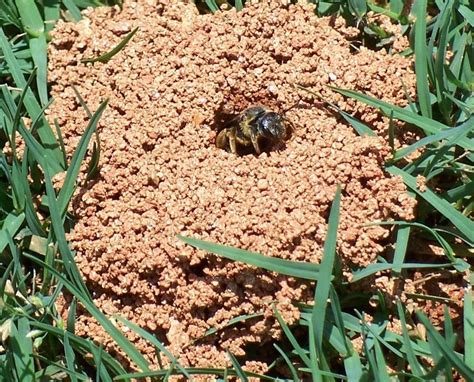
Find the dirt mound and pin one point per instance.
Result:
(161, 173)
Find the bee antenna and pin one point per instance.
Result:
(291, 107)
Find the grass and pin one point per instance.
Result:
(37, 265)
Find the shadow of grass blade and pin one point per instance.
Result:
(107, 56)
(85, 300)
(285, 267)
(323, 286)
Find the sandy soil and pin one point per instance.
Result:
(162, 175)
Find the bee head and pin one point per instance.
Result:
(274, 126)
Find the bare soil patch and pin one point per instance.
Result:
(161, 173)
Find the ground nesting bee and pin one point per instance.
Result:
(255, 128)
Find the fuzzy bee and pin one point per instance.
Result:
(257, 128)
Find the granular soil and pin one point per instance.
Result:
(161, 174)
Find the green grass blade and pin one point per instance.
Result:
(452, 135)
(83, 344)
(292, 339)
(239, 5)
(11, 225)
(238, 369)
(153, 340)
(70, 357)
(231, 322)
(68, 188)
(56, 218)
(379, 267)
(71, 317)
(445, 349)
(33, 24)
(73, 9)
(467, 13)
(469, 324)
(415, 366)
(429, 126)
(358, 126)
(85, 300)
(22, 350)
(51, 13)
(401, 245)
(193, 371)
(53, 155)
(291, 368)
(285, 267)
(421, 59)
(318, 317)
(461, 222)
(107, 56)
(211, 4)
(38, 48)
(101, 372)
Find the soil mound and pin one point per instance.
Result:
(161, 173)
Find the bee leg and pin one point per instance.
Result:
(232, 141)
(222, 139)
(254, 139)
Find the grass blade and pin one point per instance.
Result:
(107, 56)
(469, 324)
(291, 338)
(238, 369)
(446, 350)
(415, 366)
(115, 333)
(318, 316)
(11, 225)
(461, 222)
(429, 126)
(401, 244)
(70, 358)
(421, 59)
(22, 350)
(85, 345)
(53, 155)
(285, 267)
(291, 368)
(68, 188)
(153, 340)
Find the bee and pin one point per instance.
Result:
(256, 127)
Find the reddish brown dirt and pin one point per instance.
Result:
(162, 175)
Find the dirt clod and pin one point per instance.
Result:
(161, 174)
